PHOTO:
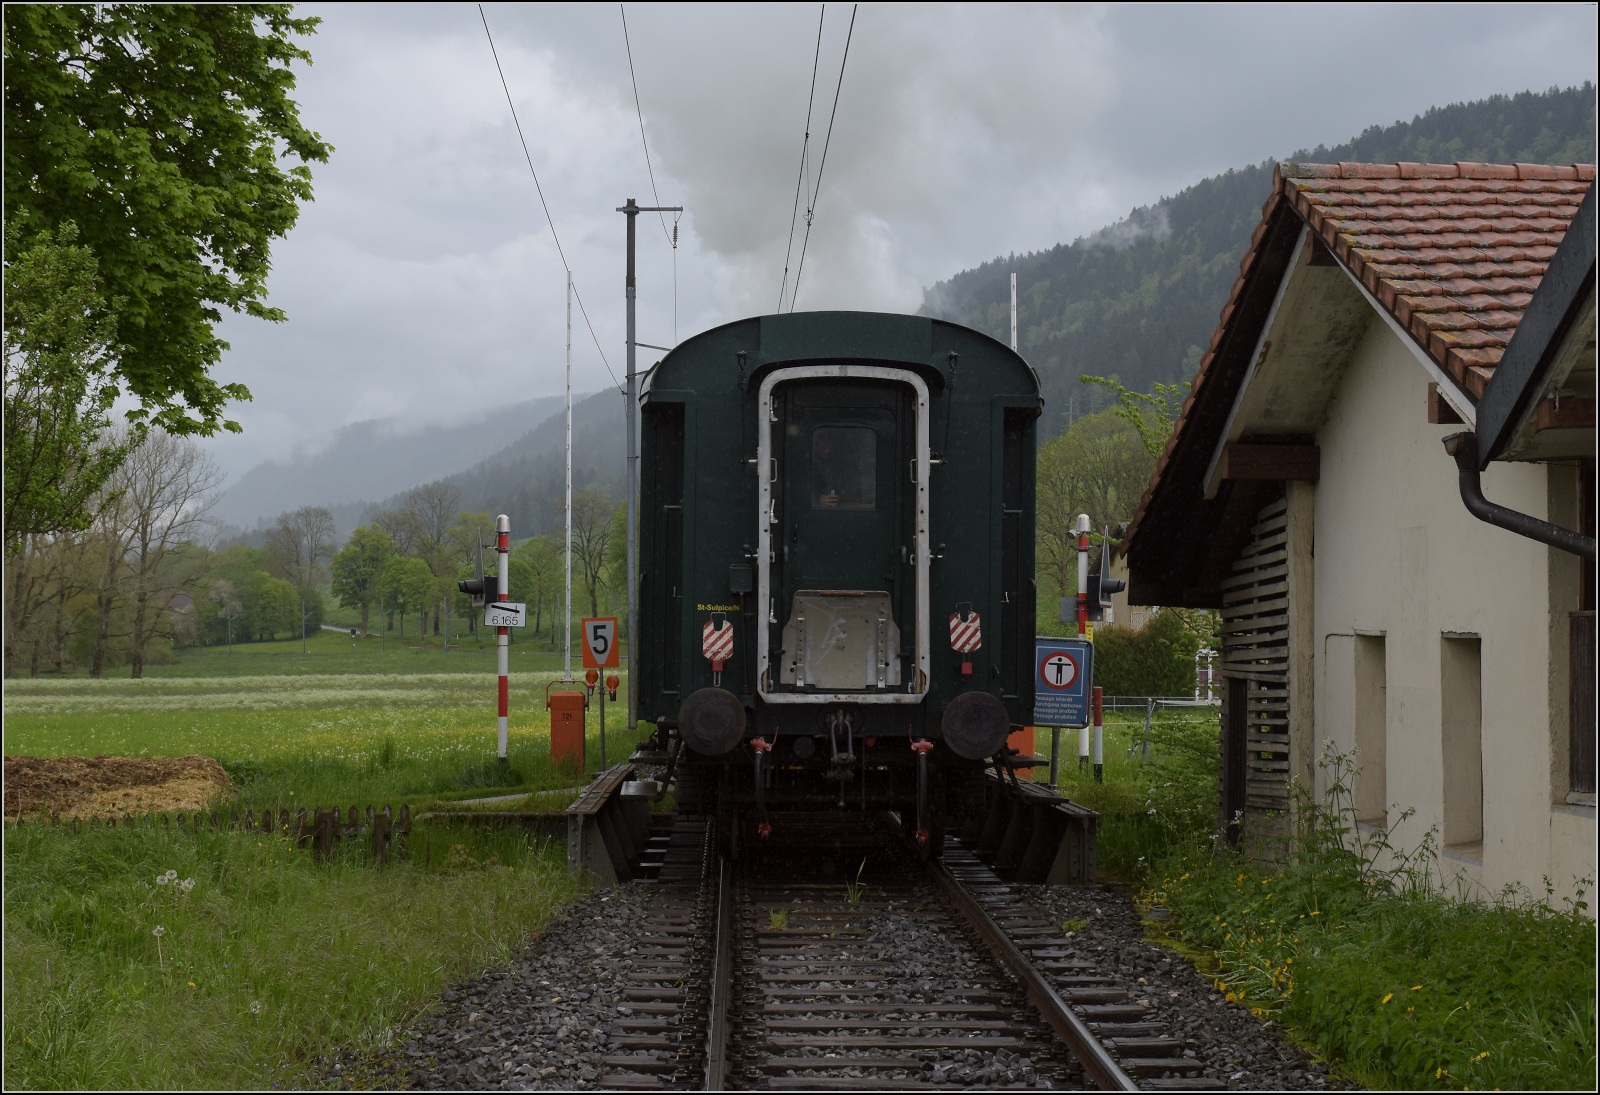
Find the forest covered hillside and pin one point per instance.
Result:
(1138, 299)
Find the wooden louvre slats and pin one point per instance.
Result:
(1255, 647)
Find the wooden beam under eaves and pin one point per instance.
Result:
(1241, 461)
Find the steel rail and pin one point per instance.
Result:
(1097, 1061)
(721, 1010)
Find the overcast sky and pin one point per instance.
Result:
(424, 278)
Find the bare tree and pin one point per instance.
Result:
(169, 483)
(300, 542)
(398, 524)
(107, 547)
(592, 510)
(432, 509)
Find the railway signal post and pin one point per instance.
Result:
(500, 614)
(1083, 619)
(502, 634)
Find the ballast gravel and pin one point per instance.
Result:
(540, 1024)
(544, 1022)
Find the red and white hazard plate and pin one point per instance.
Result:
(716, 643)
(965, 635)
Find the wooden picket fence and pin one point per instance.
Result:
(382, 831)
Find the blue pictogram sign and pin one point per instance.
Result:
(1063, 677)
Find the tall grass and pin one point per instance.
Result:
(117, 980)
(1150, 801)
(1401, 985)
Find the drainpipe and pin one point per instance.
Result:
(1464, 447)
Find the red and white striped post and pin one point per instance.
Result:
(1083, 616)
(502, 641)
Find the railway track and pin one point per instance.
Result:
(834, 960)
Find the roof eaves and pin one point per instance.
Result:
(1250, 265)
(1521, 375)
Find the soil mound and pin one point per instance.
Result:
(112, 786)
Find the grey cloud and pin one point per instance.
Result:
(424, 270)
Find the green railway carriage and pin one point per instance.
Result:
(836, 559)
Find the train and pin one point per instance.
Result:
(836, 565)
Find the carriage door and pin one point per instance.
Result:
(846, 586)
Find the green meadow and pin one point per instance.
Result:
(254, 961)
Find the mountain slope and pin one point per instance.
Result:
(526, 479)
(373, 459)
(1138, 299)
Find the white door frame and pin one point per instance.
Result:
(766, 517)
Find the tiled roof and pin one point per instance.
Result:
(1453, 251)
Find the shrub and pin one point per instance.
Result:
(1156, 660)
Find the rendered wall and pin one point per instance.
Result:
(1398, 555)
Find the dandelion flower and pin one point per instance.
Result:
(161, 880)
(186, 885)
(158, 931)
(1481, 1056)
(255, 1007)
(1387, 998)
(193, 985)
(171, 875)
(1416, 988)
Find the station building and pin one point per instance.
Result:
(1307, 492)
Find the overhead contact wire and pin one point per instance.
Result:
(823, 164)
(542, 202)
(672, 236)
(805, 144)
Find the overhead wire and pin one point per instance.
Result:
(823, 164)
(805, 145)
(543, 203)
(672, 236)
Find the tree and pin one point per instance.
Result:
(59, 389)
(468, 534)
(166, 135)
(541, 556)
(108, 541)
(396, 523)
(1151, 414)
(1099, 466)
(229, 607)
(168, 483)
(299, 542)
(43, 609)
(431, 510)
(592, 511)
(271, 605)
(406, 583)
(359, 566)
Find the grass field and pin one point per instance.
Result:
(270, 960)
(331, 727)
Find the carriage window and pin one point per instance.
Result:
(844, 467)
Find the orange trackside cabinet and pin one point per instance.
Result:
(567, 709)
(1022, 741)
